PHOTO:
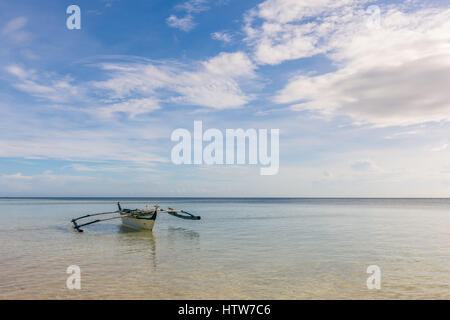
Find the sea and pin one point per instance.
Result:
(242, 248)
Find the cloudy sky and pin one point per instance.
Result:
(359, 90)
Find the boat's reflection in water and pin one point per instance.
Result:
(133, 232)
(187, 234)
(178, 236)
(143, 242)
(139, 241)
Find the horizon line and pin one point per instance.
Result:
(195, 197)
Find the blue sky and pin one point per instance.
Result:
(361, 98)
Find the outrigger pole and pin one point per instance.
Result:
(78, 226)
(94, 214)
(189, 216)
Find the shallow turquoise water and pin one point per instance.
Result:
(241, 249)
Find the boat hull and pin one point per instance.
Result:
(141, 223)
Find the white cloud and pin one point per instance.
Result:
(120, 167)
(133, 107)
(25, 134)
(17, 176)
(393, 75)
(14, 31)
(109, 3)
(191, 7)
(286, 11)
(403, 95)
(129, 147)
(365, 165)
(45, 183)
(45, 86)
(185, 23)
(230, 65)
(19, 72)
(15, 182)
(402, 134)
(280, 30)
(140, 87)
(221, 36)
(14, 25)
(442, 147)
(215, 83)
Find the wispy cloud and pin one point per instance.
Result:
(118, 167)
(222, 36)
(47, 181)
(214, 83)
(14, 30)
(14, 25)
(45, 86)
(185, 23)
(144, 86)
(280, 30)
(133, 107)
(190, 8)
(55, 140)
(441, 147)
(109, 3)
(365, 165)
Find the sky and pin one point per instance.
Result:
(358, 89)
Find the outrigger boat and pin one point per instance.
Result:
(135, 218)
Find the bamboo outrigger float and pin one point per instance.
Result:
(135, 218)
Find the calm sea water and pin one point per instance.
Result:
(241, 249)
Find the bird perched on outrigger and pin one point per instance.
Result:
(135, 218)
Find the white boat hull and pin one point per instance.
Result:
(138, 224)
